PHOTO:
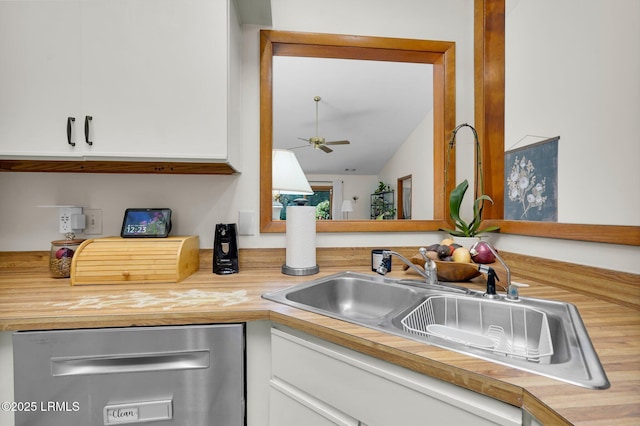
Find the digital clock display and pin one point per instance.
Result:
(152, 223)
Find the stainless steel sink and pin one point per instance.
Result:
(540, 336)
(353, 297)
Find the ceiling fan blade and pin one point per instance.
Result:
(319, 142)
(301, 146)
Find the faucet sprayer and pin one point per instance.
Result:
(491, 280)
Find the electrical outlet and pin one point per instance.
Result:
(94, 221)
(64, 216)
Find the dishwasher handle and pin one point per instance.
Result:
(129, 363)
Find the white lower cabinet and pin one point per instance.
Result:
(318, 383)
(289, 405)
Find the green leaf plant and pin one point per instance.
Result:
(464, 229)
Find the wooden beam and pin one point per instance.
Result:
(133, 167)
(489, 66)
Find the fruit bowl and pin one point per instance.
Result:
(450, 271)
(456, 271)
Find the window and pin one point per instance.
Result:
(321, 199)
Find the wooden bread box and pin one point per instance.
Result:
(116, 260)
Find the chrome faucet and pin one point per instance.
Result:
(429, 274)
(512, 290)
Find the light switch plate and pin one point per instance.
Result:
(94, 221)
(246, 222)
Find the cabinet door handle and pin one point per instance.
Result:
(87, 121)
(69, 120)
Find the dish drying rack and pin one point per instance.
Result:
(506, 329)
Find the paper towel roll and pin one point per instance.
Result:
(301, 237)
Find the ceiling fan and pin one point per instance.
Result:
(318, 142)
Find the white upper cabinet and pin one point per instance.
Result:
(159, 79)
(39, 77)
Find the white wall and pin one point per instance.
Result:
(202, 201)
(574, 72)
(415, 157)
(198, 203)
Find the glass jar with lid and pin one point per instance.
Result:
(60, 257)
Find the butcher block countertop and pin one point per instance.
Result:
(31, 300)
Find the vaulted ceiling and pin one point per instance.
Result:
(375, 105)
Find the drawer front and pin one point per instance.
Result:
(379, 393)
(290, 407)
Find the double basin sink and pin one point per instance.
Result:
(545, 337)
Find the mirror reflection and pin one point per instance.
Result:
(348, 122)
(358, 119)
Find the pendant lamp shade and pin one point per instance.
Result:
(287, 175)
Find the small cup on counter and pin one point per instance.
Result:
(377, 259)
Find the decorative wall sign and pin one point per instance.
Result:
(531, 187)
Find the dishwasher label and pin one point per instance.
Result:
(121, 415)
(138, 412)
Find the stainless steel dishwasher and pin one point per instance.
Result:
(184, 375)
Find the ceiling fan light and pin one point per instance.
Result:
(318, 142)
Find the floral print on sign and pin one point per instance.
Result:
(531, 175)
(523, 187)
